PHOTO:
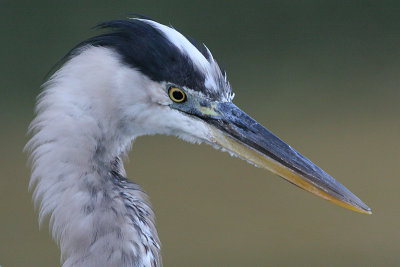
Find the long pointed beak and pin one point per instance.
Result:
(239, 133)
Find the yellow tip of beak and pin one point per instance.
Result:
(264, 161)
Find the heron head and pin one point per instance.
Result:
(178, 89)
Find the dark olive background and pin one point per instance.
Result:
(322, 75)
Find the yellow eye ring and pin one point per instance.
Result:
(176, 94)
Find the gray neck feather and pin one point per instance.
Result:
(98, 217)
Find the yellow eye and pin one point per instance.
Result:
(176, 94)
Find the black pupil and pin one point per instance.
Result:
(178, 95)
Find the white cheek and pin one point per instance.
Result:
(157, 119)
(146, 111)
(158, 94)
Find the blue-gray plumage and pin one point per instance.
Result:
(139, 78)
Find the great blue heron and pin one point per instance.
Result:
(139, 78)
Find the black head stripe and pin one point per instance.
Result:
(145, 48)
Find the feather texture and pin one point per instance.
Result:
(112, 89)
(98, 217)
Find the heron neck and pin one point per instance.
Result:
(98, 216)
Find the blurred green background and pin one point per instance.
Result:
(322, 75)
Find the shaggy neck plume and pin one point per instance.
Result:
(98, 217)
